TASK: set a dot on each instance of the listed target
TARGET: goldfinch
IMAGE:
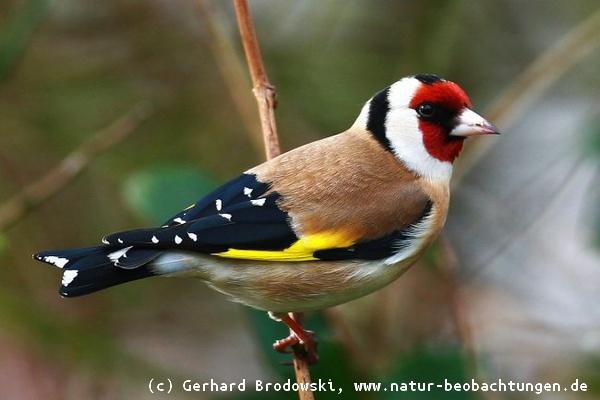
(318, 226)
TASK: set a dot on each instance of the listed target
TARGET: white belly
(285, 286)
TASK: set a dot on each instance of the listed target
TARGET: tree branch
(263, 90)
(266, 97)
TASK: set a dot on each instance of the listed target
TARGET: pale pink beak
(469, 123)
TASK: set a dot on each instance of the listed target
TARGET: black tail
(90, 269)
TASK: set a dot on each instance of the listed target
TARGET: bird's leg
(301, 341)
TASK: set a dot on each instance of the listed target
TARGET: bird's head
(423, 120)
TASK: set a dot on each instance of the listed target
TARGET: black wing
(241, 214)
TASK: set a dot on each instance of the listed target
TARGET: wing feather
(243, 220)
(238, 215)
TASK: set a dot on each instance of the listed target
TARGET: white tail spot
(68, 276)
(60, 262)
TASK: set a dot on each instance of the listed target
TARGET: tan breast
(350, 183)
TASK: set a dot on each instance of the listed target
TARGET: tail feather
(90, 269)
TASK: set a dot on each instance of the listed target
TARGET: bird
(321, 225)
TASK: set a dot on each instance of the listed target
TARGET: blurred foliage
(16, 31)
(70, 67)
(591, 148)
(158, 193)
(592, 375)
(437, 365)
(334, 363)
(3, 244)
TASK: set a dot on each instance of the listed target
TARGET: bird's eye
(426, 110)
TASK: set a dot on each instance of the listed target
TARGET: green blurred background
(510, 291)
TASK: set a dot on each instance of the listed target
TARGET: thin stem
(266, 98)
(302, 366)
(263, 90)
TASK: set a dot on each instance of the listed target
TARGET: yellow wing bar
(301, 250)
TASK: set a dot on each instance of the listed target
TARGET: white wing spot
(179, 220)
(226, 216)
(258, 202)
(154, 239)
(177, 239)
(192, 236)
(68, 276)
(115, 255)
(120, 240)
(219, 204)
(60, 262)
(247, 191)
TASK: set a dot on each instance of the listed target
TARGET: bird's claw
(304, 347)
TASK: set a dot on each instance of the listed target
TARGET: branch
(263, 90)
(266, 97)
(56, 179)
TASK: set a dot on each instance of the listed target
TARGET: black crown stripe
(428, 79)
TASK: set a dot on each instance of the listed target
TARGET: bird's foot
(301, 342)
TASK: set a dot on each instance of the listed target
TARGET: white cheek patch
(403, 133)
(406, 139)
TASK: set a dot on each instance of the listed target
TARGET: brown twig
(56, 179)
(263, 90)
(301, 365)
(266, 97)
